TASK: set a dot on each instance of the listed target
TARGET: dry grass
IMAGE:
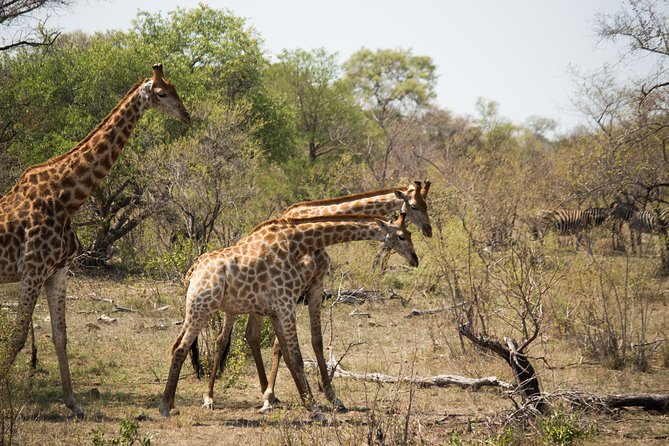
(127, 362)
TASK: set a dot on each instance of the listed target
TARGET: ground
(126, 361)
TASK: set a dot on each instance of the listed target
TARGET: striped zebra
(570, 221)
(640, 222)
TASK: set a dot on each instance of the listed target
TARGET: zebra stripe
(568, 221)
(647, 222)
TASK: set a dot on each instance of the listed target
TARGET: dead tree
(526, 377)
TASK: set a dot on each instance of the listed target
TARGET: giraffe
(411, 200)
(37, 242)
(263, 274)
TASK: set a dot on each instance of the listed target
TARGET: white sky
(515, 52)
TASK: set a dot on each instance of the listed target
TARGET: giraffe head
(162, 96)
(399, 239)
(415, 206)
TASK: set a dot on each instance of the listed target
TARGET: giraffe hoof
(208, 403)
(78, 413)
(266, 407)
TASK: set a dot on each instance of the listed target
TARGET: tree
(22, 28)
(325, 113)
(394, 87)
(53, 98)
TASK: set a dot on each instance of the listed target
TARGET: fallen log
(415, 312)
(647, 401)
(356, 296)
(428, 381)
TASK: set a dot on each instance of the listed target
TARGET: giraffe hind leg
(56, 287)
(222, 349)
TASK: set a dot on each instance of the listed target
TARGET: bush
(128, 436)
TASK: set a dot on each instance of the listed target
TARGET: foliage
(395, 88)
(128, 436)
(7, 402)
(562, 429)
(325, 114)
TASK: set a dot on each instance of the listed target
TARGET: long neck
(381, 203)
(76, 174)
(308, 237)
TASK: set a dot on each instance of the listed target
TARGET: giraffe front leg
(221, 353)
(314, 300)
(56, 289)
(285, 329)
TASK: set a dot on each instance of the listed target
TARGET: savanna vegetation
(268, 133)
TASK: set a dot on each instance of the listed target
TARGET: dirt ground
(119, 370)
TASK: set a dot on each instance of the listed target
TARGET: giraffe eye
(161, 95)
(401, 237)
(414, 207)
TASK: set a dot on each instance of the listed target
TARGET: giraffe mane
(344, 199)
(91, 133)
(318, 219)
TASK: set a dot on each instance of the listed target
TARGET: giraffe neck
(74, 176)
(380, 202)
(312, 236)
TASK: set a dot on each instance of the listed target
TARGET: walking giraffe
(411, 200)
(37, 242)
(263, 274)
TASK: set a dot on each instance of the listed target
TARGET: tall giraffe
(263, 274)
(37, 242)
(411, 200)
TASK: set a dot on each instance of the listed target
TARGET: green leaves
(392, 79)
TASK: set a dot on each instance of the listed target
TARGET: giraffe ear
(401, 195)
(147, 87)
(383, 225)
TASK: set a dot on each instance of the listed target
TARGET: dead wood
(416, 312)
(427, 381)
(647, 401)
(526, 377)
(357, 296)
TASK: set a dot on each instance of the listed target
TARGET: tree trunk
(526, 377)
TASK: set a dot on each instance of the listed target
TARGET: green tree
(54, 96)
(326, 116)
(394, 87)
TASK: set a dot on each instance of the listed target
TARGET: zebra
(640, 222)
(569, 221)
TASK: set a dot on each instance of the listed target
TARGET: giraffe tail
(224, 355)
(195, 359)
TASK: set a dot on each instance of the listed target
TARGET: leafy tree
(212, 54)
(56, 95)
(394, 87)
(326, 116)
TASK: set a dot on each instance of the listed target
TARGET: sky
(518, 53)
